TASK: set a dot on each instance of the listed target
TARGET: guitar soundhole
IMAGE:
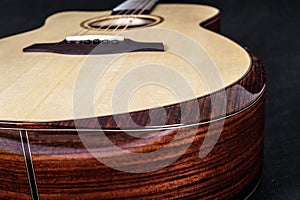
(114, 22)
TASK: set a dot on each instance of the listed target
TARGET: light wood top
(41, 86)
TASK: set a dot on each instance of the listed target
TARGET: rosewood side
(64, 169)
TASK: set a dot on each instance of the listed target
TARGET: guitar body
(49, 147)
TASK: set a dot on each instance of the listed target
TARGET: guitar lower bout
(48, 153)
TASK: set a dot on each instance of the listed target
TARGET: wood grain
(13, 173)
(45, 83)
(239, 95)
(65, 169)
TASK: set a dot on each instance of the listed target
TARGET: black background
(270, 28)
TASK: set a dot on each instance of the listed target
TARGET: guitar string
(110, 25)
(84, 31)
(100, 27)
(141, 4)
(143, 8)
(135, 16)
(121, 12)
(134, 11)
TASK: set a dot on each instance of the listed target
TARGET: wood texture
(13, 173)
(65, 169)
(55, 75)
(240, 95)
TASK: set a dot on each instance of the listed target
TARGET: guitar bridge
(94, 45)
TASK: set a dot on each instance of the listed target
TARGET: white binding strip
(27, 167)
(95, 37)
(151, 128)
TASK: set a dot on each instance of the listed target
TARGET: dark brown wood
(94, 47)
(64, 169)
(13, 173)
(213, 24)
(239, 95)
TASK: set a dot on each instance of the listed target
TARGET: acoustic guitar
(147, 101)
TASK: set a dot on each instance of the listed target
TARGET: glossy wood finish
(49, 96)
(65, 169)
(13, 174)
(239, 95)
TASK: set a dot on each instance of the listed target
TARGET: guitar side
(62, 167)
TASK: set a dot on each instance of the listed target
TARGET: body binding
(62, 167)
